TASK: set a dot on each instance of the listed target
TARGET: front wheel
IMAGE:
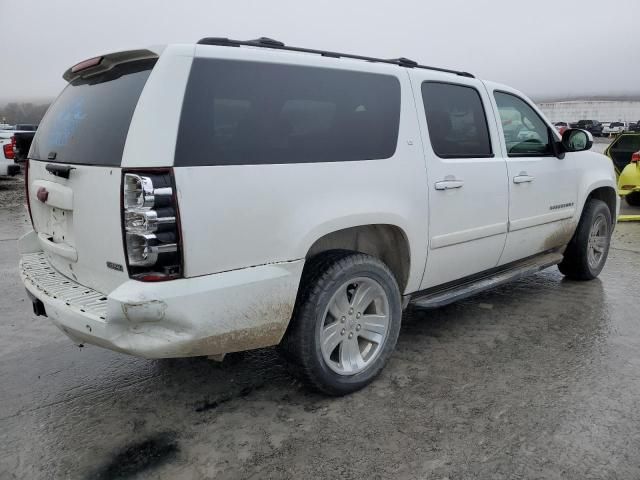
(587, 252)
(346, 321)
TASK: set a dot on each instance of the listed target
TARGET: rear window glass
(89, 121)
(242, 113)
(456, 120)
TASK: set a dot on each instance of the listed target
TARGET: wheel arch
(386, 242)
(609, 196)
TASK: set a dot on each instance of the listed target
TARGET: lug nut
(342, 332)
(351, 335)
(351, 311)
(343, 319)
(358, 327)
(358, 315)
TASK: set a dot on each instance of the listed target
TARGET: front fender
(597, 171)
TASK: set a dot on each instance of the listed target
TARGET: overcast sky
(547, 48)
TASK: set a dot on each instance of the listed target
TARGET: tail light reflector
(635, 158)
(151, 226)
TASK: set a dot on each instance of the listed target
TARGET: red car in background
(561, 126)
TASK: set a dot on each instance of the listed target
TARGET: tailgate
(78, 222)
(74, 173)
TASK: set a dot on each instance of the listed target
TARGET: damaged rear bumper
(208, 315)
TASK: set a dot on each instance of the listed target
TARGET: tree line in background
(22, 112)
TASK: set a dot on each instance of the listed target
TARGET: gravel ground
(537, 379)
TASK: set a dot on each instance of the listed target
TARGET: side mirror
(576, 140)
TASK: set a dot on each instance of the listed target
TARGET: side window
(456, 120)
(525, 133)
(251, 113)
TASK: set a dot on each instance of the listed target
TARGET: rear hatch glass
(89, 121)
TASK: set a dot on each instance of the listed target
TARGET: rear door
(467, 182)
(74, 175)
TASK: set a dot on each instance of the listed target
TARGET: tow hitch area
(38, 306)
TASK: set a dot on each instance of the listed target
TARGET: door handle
(448, 184)
(523, 177)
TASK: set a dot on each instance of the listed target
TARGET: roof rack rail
(275, 44)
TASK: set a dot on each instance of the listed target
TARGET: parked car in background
(412, 185)
(624, 152)
(8, 167)
(5, 138)
(17, 141)
(621, 149)
(22, 139)
(561, 127)
(592, 126)
(614, 128)
(629, 181)
(634, 127)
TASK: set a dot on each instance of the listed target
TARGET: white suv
(225, 196)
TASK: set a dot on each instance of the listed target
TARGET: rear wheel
(345, 323)
(633, 199)
(587, 252)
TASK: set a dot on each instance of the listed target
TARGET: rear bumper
(209, 315)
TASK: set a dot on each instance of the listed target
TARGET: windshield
(89, 121)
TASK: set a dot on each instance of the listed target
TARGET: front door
(542, 188)
(467, 181)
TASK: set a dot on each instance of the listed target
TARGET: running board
(447, 295)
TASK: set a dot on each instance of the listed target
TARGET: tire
(356, 351)
(633, 199)
(585, 256)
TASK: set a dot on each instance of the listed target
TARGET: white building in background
(601, 110)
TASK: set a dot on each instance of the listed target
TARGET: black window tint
(242, 113)
(456, 120)
(89, 121)
(525, 133)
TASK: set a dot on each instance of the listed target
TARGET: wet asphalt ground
(537, 379)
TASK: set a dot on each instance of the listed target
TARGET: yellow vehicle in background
(624, 152)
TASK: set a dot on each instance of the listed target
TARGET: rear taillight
(635, 158)
(151, 225)
(8, 151)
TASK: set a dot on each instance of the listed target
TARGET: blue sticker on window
(66, 123)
